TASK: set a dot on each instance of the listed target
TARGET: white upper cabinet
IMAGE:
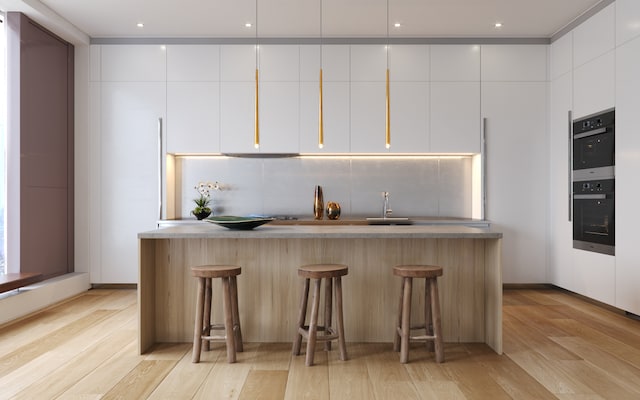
(455, 117)
(594, 37)
(133, 63)
(193, 117)
(455, 99)
(237, 111)
(279, 63)
(279, 117)
(95, 52)
(409, 63)
(409, 106)
(455, 63)
(514, 63)
(368, 98)
(335, 117)
(193, 63)
(193, 99)
(561, 56)
(238, 63)
(368, 63)
(627, 20)
(368, 117)
(594, 85)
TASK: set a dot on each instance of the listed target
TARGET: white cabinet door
(279, 117)
(627, 167)
(561, 268)
(193, 63)
(193, 117)
(368, 63)
(517, 175)
(455, 117)
(368, 117)
(594, 85)
(129, 174)
(595, 36)
(514, 63)
(409, 63)
(279, 63)
(335, 117)
(238, 63)
(455, 63)
(237, 117)
(133, 63)
(409, 106)
(627, 17)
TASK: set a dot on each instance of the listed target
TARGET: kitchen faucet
(386, 211)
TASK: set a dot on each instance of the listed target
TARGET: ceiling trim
(581, 18)
(381, 40)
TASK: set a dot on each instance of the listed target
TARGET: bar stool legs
(432, 319)
(203, 326)
(331, 274)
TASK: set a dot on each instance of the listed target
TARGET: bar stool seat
(432, 318)
(332, 274)
(203, 326)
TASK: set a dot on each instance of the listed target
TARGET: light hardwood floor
(556, 346)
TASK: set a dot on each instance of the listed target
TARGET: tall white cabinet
(514, 106)
(132, 101)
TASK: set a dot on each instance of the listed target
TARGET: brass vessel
(333, 210)
(318, 203)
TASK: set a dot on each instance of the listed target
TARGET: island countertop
(269, 287)
(207, 230)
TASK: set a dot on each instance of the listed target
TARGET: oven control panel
(601, 186)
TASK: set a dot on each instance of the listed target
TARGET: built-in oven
(594, 216)
(594, 146)
(593, 178)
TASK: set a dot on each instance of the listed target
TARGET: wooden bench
(17, 280)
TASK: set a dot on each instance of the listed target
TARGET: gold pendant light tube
(388, 114)
(320, 117)
(256, 134)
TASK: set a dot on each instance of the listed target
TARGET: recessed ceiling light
(140, 25)
(397, 25)
(247, 25)
(498, 25)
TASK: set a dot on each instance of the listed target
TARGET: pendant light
(387, 137)
(320, 116)
(256, 133)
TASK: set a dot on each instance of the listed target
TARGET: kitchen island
(269, 288)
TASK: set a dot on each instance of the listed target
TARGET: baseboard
(114, 286)
(537, 286)
(19, 303)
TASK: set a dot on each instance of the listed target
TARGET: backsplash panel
(418, 187)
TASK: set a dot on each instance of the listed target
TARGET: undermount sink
(389, 221)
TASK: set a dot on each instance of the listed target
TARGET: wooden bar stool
(203, 326)
(332, 273)
(432, 323)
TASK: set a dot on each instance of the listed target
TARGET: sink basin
(389, 221)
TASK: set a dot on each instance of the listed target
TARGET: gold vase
(318, 203)
(333, 210)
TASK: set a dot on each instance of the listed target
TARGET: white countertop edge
(207, 231)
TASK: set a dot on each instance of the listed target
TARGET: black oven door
(594, 142)
(594, 222)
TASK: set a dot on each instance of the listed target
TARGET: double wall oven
(594, 183)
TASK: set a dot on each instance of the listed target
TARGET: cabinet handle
(160, 168)
(483, 157)
(570, 166)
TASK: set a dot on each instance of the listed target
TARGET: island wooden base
(269, 288)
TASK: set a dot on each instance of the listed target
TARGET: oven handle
(570, 167)
(589, 196)
(590, 133)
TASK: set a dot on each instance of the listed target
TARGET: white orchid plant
(202, 202)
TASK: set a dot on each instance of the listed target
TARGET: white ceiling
(301, 18)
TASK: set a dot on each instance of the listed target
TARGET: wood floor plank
(349, 379)
(141, 381)
(28, 352)
(308, 383)
(183, 382)
(389, 378)
(264, 385)
(273, 356)
(225, 381)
